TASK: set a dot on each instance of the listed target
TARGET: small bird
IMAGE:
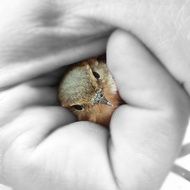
(89, 91)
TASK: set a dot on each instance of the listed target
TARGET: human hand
(163, 26)
(35, 133)
(38, 37)
(44, 34)
(40, 151)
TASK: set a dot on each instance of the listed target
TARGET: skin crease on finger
(45, 153)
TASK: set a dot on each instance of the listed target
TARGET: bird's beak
(101, 99)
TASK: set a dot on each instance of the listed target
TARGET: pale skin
(40, 145)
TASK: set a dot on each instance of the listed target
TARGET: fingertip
(118, 41)
(140, 77)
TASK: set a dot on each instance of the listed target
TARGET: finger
(14, 100)
(18, 72)
(21, 136)
(33, 126)
(152, 123)
(81, 144)
(141, 82)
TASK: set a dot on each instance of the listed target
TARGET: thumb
(146, 133)
(162, 25)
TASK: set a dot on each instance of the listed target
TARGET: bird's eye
(96, 75)
(78, 107)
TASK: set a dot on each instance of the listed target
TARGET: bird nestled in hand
(89, 91)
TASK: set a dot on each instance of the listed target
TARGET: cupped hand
(49, 34)
(40, 36)
(41, 145)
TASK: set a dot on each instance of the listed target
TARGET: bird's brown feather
(79, 85)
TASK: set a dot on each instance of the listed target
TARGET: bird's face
(87, 89)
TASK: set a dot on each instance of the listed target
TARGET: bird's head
(83, 88)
